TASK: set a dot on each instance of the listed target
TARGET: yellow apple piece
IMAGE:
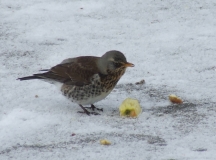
(130, 108)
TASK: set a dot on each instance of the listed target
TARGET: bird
(86, 80)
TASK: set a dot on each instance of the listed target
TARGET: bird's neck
(112, 78)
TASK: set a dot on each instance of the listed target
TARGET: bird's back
(72, 71)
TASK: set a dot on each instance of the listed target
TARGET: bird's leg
(99, 109)
(87, 112)
(84, 110)
(93, 108)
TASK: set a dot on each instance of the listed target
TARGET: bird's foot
(93, 108)
(87, 112)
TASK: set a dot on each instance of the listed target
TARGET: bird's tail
(34, 76)
(49, 76)
(29, 78)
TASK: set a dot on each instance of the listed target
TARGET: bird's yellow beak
(127, 64)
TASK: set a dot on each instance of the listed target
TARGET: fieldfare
(86, 79)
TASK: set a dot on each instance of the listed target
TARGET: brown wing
(74, 71)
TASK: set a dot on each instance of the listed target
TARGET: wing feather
(73, 71)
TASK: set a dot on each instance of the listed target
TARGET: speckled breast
(97, 90)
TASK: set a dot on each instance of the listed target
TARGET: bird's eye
(117, 64)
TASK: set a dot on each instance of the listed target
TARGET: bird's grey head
(113, 60)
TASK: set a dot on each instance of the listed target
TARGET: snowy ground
(173, 46)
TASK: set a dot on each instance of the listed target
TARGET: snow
(172, 44)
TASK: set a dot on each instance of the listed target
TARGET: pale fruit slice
(174, 99)
(105, 142)
(130, 108)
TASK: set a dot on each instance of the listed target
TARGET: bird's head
(113, 61)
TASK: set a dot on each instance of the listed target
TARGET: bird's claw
(93, 108)
(89, 113)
